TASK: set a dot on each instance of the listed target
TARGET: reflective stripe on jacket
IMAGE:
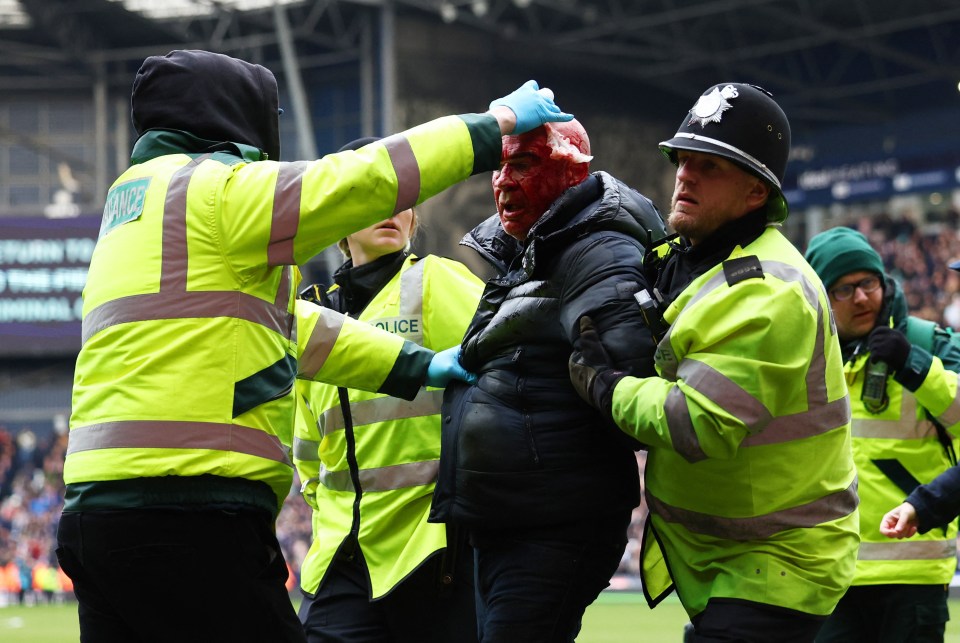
(749, 478)
(395, 443)
(190, 334)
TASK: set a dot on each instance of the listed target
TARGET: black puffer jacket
(520, 449)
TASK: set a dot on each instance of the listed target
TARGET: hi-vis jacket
(191, 338)
(898, 448)
(749, 478)
(369, 471)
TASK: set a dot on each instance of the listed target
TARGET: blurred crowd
(31, 497)
(31, 464)
(918, 256)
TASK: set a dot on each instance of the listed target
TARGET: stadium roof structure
(827, 61)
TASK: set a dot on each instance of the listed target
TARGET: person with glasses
(902, 376)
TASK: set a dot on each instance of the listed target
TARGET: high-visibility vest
(395, 444)
(894, 450)
(191, 334)
(749, 479)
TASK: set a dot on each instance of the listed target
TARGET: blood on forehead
(559, 141)
(536, 168)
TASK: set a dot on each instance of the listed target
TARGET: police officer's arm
(746, 362)
(602, 277)
(339, 350)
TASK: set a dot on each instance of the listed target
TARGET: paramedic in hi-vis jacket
(902, 375)
(183, 398)
(749, 477)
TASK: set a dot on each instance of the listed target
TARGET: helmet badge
(710, 106)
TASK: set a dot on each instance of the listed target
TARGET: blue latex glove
(532, 108)
(445, 366)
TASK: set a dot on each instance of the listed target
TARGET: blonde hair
(344, 247)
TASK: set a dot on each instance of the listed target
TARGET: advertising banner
(43, 268)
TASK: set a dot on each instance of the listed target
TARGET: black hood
(210, 96)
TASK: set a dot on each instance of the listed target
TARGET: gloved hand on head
(532, 107)
(445, 367)
(591, 369)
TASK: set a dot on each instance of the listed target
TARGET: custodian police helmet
(744, 124)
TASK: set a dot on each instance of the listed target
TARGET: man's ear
(758, 194)
(578, 172)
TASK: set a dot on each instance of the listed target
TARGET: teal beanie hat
(840, 251)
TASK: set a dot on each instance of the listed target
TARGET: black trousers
(535, 588)
(419, 609)
(889, 614)
(733, 621)
(170, 575)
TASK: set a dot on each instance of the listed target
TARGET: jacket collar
(739, 232)
(358, 285)
(600, 202)
(674, 263)
(161, 142)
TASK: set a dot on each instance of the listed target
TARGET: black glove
(888, 345)
(591, 370)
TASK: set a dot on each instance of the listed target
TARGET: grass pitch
(616, 617)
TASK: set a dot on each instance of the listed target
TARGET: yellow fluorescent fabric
(189, 335)
(397, 442)
(749, 477)
(336, 348)
(901, 433)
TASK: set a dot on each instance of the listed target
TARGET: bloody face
(531, 177)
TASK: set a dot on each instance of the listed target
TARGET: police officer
(183, 400)
(902, 376)
(749, 476)
(376, 570)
